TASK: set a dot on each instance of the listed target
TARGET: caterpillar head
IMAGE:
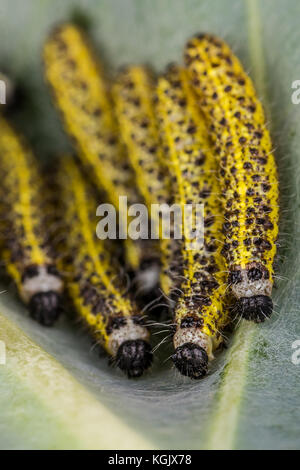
(45, 307)
(252, 287)
(129, 345)
(191, 360)
(193, 350)
(256, 308)
(134, 357)
(41, 290)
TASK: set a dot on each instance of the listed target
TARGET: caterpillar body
(83, 98)
(27, 256)
(248, 172)
(133, 93)
(200, 311)
(134, 96)
(94, 279)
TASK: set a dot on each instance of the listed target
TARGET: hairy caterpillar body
(82, 96)
(248, 172)
(133, 93)
(134, 96)
(26, 254)
(94, 279)
(200, 313)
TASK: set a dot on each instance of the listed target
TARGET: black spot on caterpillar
(134, 95)
(94, 281)
(83, 97)
(200, 313)
(26, 253)
(135, 98)
(250, 192)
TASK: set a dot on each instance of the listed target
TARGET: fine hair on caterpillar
(134, 98)
(94, 284)
(25, 248)
(195, 137)
(82, 95)
(200, 310)
(247, 171)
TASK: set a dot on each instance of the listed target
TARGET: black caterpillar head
(191, 360)
(134, 357)
(45, 307)
(256, 308)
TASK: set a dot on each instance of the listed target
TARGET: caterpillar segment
(82, 96)
(248, 171)
(94, 280)
(25, 251)
(200, 311)
(134, 96)
(171, 274)
(133, 93)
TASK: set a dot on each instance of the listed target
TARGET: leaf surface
(55, 392)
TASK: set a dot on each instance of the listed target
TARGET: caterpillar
(25, 251)
(248, 171)
(134, 96)
(94, 284)
(200, 310)
(133, 93)
(83, 98)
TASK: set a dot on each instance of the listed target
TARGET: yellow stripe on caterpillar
(94, 283)
(248, 171)
(134, 95)
(26, 254)
(200, 311)
(83, 98)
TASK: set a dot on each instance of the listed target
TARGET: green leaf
(55, 392)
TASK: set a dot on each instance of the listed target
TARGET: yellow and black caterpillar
(26, 253)
(248, 172)
(133, 93)
(93, 279)
(134, 99)
(200, 311)
(83, 98)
